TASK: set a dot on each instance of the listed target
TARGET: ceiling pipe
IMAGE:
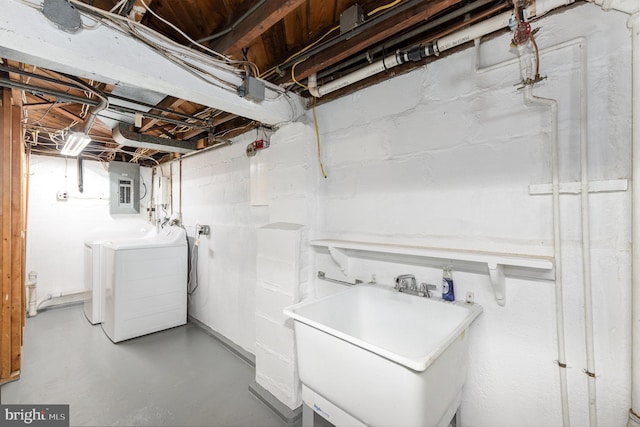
(406, 36)
(371, 23)
(416, 53)
(37, 90)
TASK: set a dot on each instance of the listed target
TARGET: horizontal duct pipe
(124, 136)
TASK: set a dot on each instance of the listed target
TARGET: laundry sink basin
(383, 357)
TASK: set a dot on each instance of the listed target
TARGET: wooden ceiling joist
(255, 25)
(138, 10)
(169, 102)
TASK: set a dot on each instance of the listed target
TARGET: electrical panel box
(124, 182)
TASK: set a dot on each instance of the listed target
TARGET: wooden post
(13, 304)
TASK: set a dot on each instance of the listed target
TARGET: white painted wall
(57, 230)
(444, 157)
(437, 157)
(216, 190)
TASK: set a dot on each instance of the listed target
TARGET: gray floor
(178, 377)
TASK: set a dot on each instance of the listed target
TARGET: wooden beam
(5, 251)
(12, 304)
(169, 102)
(377, 34)
(138, 11)
(17, 270)
(255, 25)
(67, 114)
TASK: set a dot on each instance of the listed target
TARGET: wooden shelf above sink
(496, 265)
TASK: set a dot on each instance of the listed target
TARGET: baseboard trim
(292, 417)
(233, 347)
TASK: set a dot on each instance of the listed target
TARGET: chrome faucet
(407, 283)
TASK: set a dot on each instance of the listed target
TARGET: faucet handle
(426, 288)
(405, 281)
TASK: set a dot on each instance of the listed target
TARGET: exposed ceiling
(280, 41)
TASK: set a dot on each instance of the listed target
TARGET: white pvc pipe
(57, 295)
(481, 29)
(634, 411)
(32, 291)
(552, 104)
(485, 27)
(361, 74)
(586, 240)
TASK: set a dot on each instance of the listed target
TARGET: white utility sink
(384, 357)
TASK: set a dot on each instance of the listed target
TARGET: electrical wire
(182, 33)
(233, 26)
(272, 70)
(315, 121)
(175, 52)
(293, 74)
(192, 281)
(119, 6)
(384, 7)
(226, 58)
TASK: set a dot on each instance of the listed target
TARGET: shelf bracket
(341, 259)
(496, 275)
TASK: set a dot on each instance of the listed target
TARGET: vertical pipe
(530, 99)
(634, 411)
(80, 174)
(586, 239)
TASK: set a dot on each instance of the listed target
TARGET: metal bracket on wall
(322, 276)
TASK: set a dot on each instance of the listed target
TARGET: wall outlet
(203, 230)
(62, 195)
(469, 298)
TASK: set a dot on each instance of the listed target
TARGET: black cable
(145, 191)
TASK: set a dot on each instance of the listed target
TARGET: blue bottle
(447, 285)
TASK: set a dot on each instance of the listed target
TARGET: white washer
(145, 284)
(93, 263)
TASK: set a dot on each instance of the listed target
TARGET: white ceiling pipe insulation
(107, 55)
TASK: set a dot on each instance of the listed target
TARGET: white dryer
(93, 264)
(145, 284)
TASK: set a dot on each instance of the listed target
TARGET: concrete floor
(178, 377)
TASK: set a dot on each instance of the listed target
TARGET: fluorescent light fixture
(75, 142)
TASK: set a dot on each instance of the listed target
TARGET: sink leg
(307, 416)
(454, 420)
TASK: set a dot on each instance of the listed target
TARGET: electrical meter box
(124, 182)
